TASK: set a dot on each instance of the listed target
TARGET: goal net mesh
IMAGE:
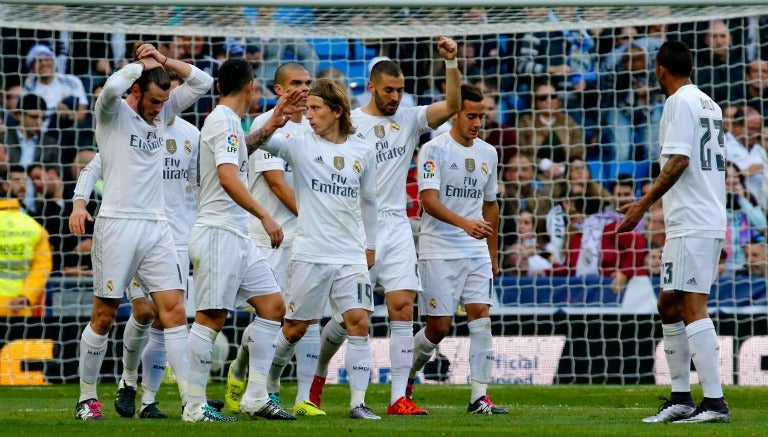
(573, 111)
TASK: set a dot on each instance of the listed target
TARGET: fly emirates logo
(337, 187)
(152, 141)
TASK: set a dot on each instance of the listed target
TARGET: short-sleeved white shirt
(330, 180)
(465, 178)
(394, 138)
(261, 161)
(222, 141)
(182, 140)
(692, 125)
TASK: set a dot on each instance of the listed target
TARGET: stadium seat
(637, 169)
(330, 48)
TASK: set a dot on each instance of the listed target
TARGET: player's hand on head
(149, 56)
(447, 48)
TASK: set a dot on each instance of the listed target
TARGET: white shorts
(278, 260)
(448, 282)
(396, 267)
(136, 291)
(311, 284)
(228, 269)
(124, 249)
(690, 264)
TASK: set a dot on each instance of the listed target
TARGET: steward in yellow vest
(25, 262)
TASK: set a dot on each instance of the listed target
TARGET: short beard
(381, 105)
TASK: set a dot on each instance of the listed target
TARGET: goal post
(549, 328)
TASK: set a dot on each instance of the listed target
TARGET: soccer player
(334, 173)
(132, 238)
(139, 341)
(271, 180)
(692, 188)
(395, 132)
(458, 242)
(229, 270)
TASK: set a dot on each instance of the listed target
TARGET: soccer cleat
(275, 397)
(269, 410)
(216, 404)
(703, 414)
(405, 407)
(316, 390)
(125, 402)
(233, 393)
(204, 413)
(307, 408)
(363, 412)
(150, 411)
(89, 409)
(484, 405)
(409, 388)
(670, 412)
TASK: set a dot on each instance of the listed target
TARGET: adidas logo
(454, 166)
(319, 159)
(692, 281)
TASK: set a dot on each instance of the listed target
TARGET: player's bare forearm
(237, 190)
(286, 196)
(440, 112)
(491, 215)
(258, 138)
(670, 174)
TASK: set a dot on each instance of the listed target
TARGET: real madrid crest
(378, 130)
(338, 162)
(433, 303)
(187, 146)
(393, 126)
(170, 145)
(484, 168)
(469, 164)
(109, 285)
(292, 306)
(357, 167)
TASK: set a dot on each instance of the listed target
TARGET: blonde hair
(335, 98)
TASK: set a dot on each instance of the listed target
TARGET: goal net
(573, 109)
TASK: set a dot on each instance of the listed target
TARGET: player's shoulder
(482, 147)
(261, 120)
(185, 126)
(358, 141)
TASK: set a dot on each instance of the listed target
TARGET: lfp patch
(232, 140)
(429, 166)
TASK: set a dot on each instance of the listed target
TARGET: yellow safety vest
(19, 234)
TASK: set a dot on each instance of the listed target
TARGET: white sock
(331, 339)
(480, 356)
(307, 353)
(422, 352)
(358, 363)
(176, 344)
(283, 354)
(702, 339)
(261, 347)
(135, 338)
(401, 357)
(199, 357)
(239, 367)
(93, 347)
(678, 356)
(153, 362)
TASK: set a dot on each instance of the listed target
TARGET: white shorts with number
(690, 264)
(228, 269)
(311, 284)
(396, 267)
(124, 249)
(278, 259)
(136, 291)
(450, 282)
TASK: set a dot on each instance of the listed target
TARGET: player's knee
(102, 320)
(143, 311)
(357, 322)
(294, 330)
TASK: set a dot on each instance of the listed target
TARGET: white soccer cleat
(670, 412)
(705, 415)
(204, 413)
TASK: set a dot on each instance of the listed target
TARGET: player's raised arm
(439, 112)
(285, 108)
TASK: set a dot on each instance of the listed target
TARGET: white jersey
(465, 178)
(222, 141)
(131, 148)
(61, 87)
(261, 161)
(395, 138)
(692, 125)
(179, 169)
(334, 182)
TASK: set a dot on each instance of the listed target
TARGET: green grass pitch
(535, 411)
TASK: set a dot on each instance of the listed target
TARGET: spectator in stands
(612, 38)
(500, 135)
(529, 254)
(49, 205)
(86, 129)
(548, 135)
(11, 94)
(337, 76)
(653, 225)
(622, 191)
(756, 253)
(649, 38)
(76, 250)
(28, 142)
(580, 183)
(24, 270)
(594, 248)
(745, 218)
(64, 94)
(719, 64)
(653, 260)
(754, 89)
(632, 103)
(744, 149)
(532, 54)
